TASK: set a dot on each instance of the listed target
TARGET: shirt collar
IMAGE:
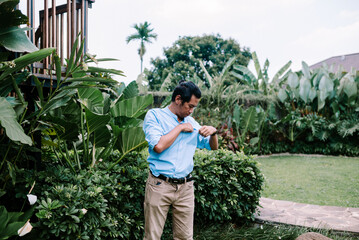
(167, 110)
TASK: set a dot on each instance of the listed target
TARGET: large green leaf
(350, 89)
(246, 120)
(305, 70)
(281, 72)
(228, 65)
(14, 39)
(8, 121)
(312, 94)
(237, 112)
(249, 122)
(8, 86)
(133, 107)
(4, 218)
(96, 121)
(282, 95)
(92, 98)
(131, 139)
(293, 80)
(325, 87)
(104, 70)
(248, 76)
(25, 60)
(304, 89)
(11, 229)
(257, 65)
(130, 91)
(101, 137)
(59, 100)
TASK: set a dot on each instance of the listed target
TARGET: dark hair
(186, 90)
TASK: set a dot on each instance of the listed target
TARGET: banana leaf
(228, 65)
(281, 72)
(248, 76)
(257, 65)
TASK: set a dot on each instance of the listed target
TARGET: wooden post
(57, 34)
(45, 30)
(28, 15)
(82, 24)
(53, 13)
(68, 28)
(62, 39)
(73, 23)
(32, 21)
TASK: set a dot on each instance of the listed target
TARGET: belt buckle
(176, 181)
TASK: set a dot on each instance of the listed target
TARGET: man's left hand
(206, 131)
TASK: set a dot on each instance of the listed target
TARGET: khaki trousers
(159, 196)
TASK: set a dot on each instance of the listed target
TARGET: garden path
(329, 217)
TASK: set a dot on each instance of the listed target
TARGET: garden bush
(228, 186)
(113, 200)
(227, 189)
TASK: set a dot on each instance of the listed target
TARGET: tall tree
(182, 59)
(145, 35)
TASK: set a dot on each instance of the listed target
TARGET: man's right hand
(186, 127)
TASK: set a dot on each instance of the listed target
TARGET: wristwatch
(214, 133)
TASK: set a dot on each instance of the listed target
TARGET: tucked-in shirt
(177, 160)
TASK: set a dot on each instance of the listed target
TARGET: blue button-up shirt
(177, 160)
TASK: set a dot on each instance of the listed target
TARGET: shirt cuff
(154, 142)
(206, 145)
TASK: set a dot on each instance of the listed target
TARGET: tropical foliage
(182, 60)
(12, 37)
(78, 121)
(296, 109)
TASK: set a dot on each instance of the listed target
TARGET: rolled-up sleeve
(152, 129)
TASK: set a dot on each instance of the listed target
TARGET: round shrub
(228, 186)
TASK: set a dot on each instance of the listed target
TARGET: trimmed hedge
(227, 189)
(228, 186)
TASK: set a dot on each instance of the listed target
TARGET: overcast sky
(280, 30)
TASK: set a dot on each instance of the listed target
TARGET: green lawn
(322, 180)
(261, 232)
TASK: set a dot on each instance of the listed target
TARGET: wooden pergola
(58, 27)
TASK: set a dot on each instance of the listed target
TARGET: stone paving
(329, 217)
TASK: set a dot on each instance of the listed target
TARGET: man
(173, 136)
